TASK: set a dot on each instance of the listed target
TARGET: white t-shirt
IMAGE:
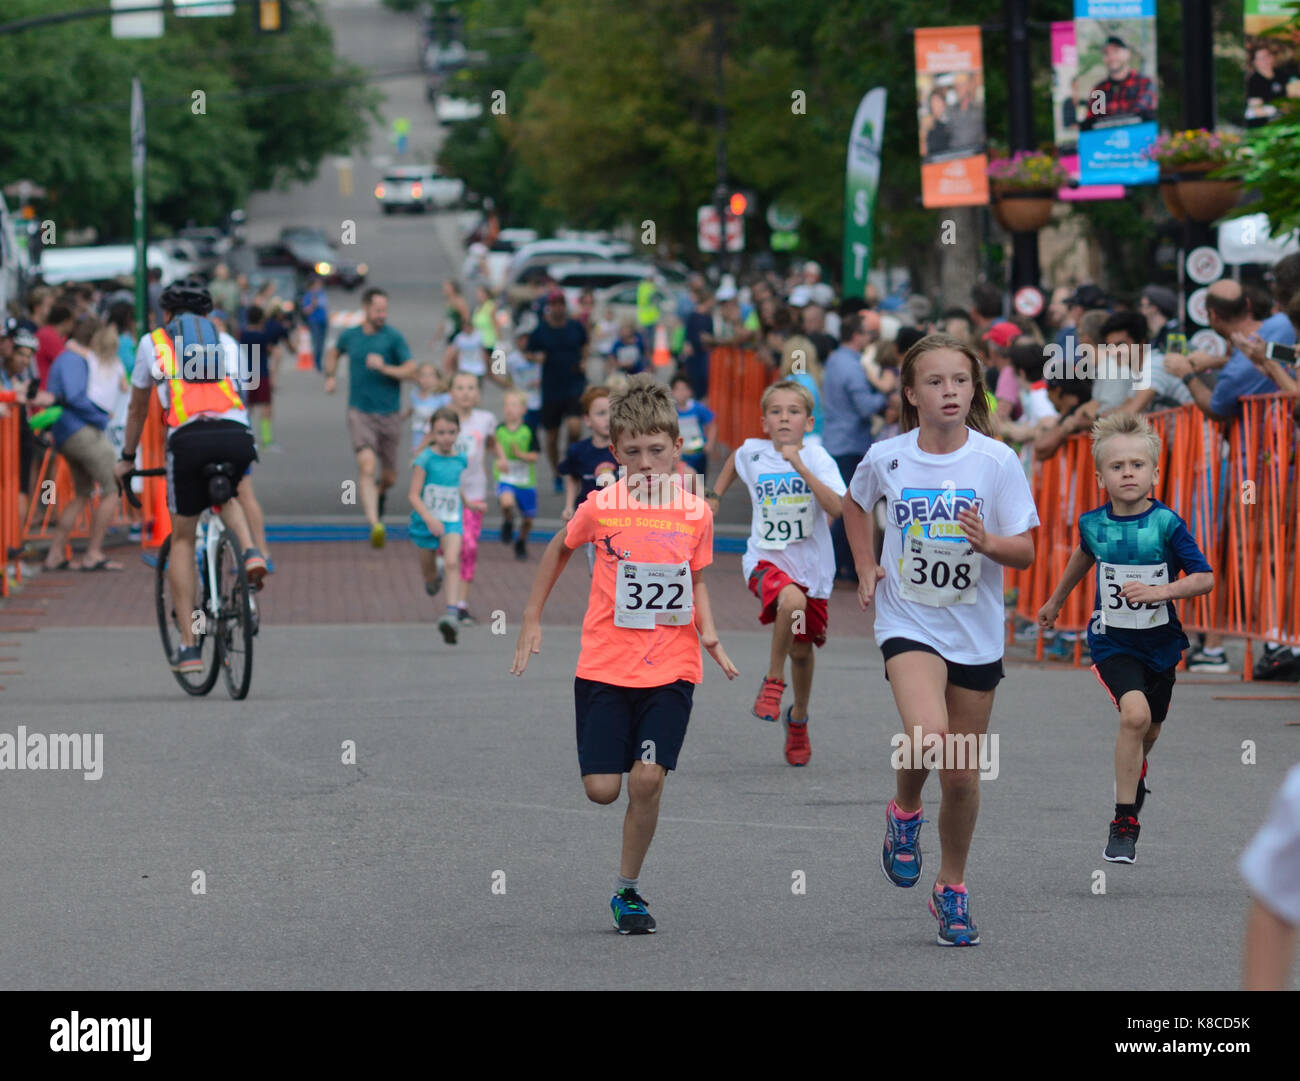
(784, 508)
(471, 442)
(1271, 863)
(527, 376)
(470, 356)
(104, 383)
(144, 375)
(923, 494)
(422, 411)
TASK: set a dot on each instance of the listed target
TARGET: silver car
(418, 188)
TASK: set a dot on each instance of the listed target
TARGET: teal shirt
(369, 391)
(442, 473)
(806, 380)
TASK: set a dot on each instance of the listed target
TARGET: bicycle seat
(220, 477)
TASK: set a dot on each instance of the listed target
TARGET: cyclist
(207, 424)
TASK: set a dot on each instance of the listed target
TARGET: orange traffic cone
(305, 359)
(160, 519)
(661, 358)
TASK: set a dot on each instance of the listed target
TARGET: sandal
(104, 564)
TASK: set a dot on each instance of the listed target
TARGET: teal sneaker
(952, 909)
(631, 916)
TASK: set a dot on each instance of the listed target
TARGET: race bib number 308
(1117, 610)
(647, 594)
(938, 573)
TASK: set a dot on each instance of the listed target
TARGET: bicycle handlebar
(124, 483)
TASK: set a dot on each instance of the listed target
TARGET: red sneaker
(797, 747)
(767, 706)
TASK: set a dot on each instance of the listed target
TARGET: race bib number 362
(938, 573)
(1117, 610)
(647, 594)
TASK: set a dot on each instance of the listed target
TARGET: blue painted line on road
(324, 533)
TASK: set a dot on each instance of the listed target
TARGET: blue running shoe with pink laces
(952, 909)
(900, 858)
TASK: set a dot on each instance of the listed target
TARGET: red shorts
(766, 584)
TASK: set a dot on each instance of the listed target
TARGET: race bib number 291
(938, 573)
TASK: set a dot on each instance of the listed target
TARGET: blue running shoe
(900, 858)
(631, 916)
(952, 909)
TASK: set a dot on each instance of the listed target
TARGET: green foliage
(71, 86)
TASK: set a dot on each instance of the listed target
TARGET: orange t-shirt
(624, 529)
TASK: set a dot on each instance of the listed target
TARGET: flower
(1027, 170)
(1197, 146)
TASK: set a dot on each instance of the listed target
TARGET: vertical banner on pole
(861, 182)
(1271, 69)
(137, 178)
(1115, 44)
(1068, 102)
(950, 116)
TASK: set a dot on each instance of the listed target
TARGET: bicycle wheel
(235, 624)
(195, 683)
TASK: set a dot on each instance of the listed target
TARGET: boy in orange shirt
(647, 616)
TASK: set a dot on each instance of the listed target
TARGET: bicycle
(225, 620)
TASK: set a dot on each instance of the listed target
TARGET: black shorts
(554, 412)
(195, 445)
(618, 726)
(971, 677)
(1121, 673)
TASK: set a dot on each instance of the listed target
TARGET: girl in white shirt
(958, 510)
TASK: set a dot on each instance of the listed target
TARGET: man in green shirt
(378, 360)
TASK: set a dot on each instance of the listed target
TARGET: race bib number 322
(938, 573)
(647, 594)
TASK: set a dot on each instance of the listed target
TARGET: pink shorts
(471, 524)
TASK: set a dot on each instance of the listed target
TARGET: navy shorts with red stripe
(1121, 673)
(766, 583)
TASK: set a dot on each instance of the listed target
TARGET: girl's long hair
(979, 418)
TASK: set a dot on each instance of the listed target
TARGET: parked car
(417, 187)
(620, 300)
(103, 263)
(573, 278)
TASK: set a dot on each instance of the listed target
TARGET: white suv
(417, 187)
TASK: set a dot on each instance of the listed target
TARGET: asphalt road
(380, 874)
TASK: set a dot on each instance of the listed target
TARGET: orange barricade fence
(737, 379)
(53, 490)
(1234, 486)
(10, 529)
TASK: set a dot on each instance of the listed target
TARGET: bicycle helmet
(186, 295)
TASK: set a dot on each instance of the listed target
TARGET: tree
(221, 118)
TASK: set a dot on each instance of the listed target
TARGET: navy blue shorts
(525, 498)
(618, 726)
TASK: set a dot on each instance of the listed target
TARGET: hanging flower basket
(1024, 188)
(1186, 159)
(1023, 211)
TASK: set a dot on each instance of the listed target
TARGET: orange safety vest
(189, 399)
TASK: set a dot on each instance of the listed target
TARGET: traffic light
(270, 16)
(738, 204)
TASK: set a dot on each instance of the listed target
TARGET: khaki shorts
(90, 458)
(380, 432)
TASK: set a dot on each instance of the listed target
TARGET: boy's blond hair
(643, 407)
(1116, 424)
(514, 394)
(803, 393)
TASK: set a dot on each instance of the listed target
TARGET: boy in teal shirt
(436, 510)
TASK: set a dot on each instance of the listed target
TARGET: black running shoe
(383, 498)
(507, 530)
(1122, 846)
(521, 549)
(465, 619)
(1278, 664)
(631, 916)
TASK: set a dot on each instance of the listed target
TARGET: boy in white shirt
(789, 561)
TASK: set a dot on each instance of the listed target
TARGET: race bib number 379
(938, 573)
(647, 594)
